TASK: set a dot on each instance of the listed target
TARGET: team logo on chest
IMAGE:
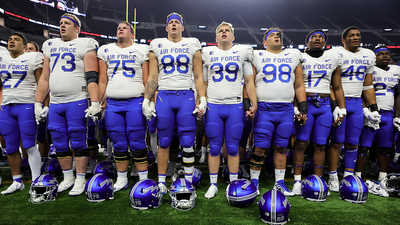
(261, 53)
(212, 52)
(106, 50)
(159, 45)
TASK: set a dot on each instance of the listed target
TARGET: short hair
(22, 36)
(272, 28)
(347, 30)
(174, 13)
(74, 19)
(130, 25)
(316, 30)
(225, 24)
(35, 44)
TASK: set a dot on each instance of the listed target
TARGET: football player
(70, 71)
(225, 66)
(32, 47)
(19, 74)
(279, 81)
(356, 71)
(123, 71)
(385, 80)
(172, 63)
(320, 69)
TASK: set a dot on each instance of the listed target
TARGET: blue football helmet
(106, 167)
(225, 174)
(241, 193)
(391, 183)
(182, 194)
(196, 177)
(274, 207)
(52, 167)
(145, 194)
(43, 189)
(99, 188)
(314, 188)
(353, 189)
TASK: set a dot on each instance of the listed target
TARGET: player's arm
(91, 73)
(199, 82)
(249, 75)
(103, 80)
(300, 91)
(43, 81)
(396, 119)
(369, 97)
(337, 97)
(148, 107)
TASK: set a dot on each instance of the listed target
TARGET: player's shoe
(66, 184)
(281, 186)
(163, 188)
(121, 184)
(374, 187)
(333, 185)
(15, 186)
(256, 183)
(297, 187)
(79, 187)
(203, 154)
(211, 192)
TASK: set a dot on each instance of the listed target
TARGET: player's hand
(372, 116)
(338, 116)
(396, 123)
(201, 109)
(373, 125)
(251, 113)
(148, 111)
(93, 111)
(40, 112)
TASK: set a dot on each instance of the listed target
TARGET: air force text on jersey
(14, 67)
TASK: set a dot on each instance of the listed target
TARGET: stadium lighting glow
(263, 29)
(2, 10)
(387, 29)
(137, 23)
(300, 47)
(143, 41)
(202, 27)
(203, 43)
(325, 30)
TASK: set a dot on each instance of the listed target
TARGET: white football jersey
(67, 70)
(354, 68)
(175, 62)
(275, 74)
(223, 70)
(125, 75)
(18, 77)
(317, 72)
(3, 51)
(385, 84)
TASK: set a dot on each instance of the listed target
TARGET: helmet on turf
(145, 194)
(391, 183)
(43, 189)
(106, 167)
(196, 177)
(274, 207)
(52, 167)
(99, 188)
(314, 188)
(353, 189)
(225, 174)
(182, 194)
(241, 193)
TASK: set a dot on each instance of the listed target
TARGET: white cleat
(163, 188)
(297, 188)
(281, 186)
(121, 184)
(374, 187)
(212, 191)
(66, 184)
(15, 186)
(333, 185)
(79, 187)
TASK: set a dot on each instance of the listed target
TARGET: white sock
(233, 176)
(279, 174)
(396, 155)
(35, 161)
(68, 173)
(333, 175)
(254, 174)
(358, 174)
(297, 177)
(143, 174)
(382, 175)
(122, 174)
(161, 178)
(80, 175)
(213, 178)
(347, 173)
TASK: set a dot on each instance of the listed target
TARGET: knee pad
(163, 122)
(188, 157)
(385, 151)
(140, 156)
(215, 150)
(257, 161)
(63, 154)
(362, 151)
(232, 150)
(165, 142)
(121, 156)
(81, 153)
(186, 138)
(78, 137)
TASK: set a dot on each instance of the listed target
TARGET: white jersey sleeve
(317, 72)
(18, 76)
(354, 68)
(225, 73)
(275, 75)
(385, 84)
(175, 62)
(67, 70)
(124, 69)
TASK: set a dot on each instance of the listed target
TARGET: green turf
(16, 209)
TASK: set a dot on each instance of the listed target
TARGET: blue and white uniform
(224, 71)
(17, 117)
(175, 99)
(275, 93)
(317, 75)
(124, 119)
(68, 91)
(385, 84)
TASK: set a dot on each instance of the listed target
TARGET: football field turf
(16, 209)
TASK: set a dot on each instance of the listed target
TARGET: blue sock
(350, 158)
